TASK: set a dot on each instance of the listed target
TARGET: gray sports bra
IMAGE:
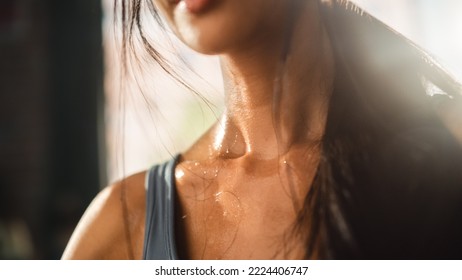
(159, 237)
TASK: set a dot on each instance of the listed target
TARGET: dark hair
(389, 183)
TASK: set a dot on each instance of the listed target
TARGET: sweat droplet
(179, 174)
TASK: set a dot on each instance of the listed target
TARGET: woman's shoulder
(113, 225)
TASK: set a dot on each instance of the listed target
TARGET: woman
(329, 147)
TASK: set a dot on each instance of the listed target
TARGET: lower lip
(197, 6)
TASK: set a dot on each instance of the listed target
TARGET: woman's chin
(219, 26)
(207, 34)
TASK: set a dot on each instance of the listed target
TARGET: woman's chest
(241, 213)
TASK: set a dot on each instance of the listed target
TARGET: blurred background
(66, 130)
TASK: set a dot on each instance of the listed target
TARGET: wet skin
(242, 184)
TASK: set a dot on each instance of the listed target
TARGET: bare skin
(101, 232)
(253, 163)
(250, 163)
(242, 184)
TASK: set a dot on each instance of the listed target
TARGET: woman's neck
(275, 103)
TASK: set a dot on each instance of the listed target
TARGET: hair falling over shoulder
(390, 182)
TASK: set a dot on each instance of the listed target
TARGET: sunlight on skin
(139, 148)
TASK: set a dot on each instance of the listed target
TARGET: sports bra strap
(159, 238)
